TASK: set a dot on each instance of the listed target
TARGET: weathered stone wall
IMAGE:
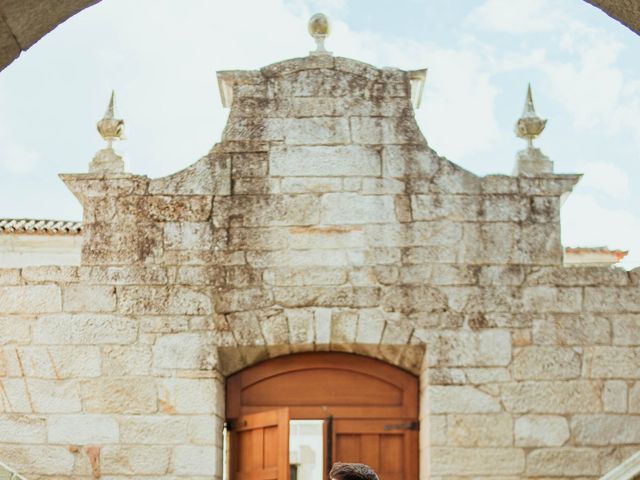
(321, 221)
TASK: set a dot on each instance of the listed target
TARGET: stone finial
(319, 29)
(110, 129)
(529, 126)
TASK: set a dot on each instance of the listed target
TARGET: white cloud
(606, 178)
(516, 16)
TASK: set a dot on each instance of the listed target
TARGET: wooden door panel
(316, 385)
(392, 453)
(259, 446)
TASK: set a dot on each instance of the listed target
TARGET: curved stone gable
(321, 222)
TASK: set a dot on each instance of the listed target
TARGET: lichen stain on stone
(318, 230)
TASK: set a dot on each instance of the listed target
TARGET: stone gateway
(322, 222)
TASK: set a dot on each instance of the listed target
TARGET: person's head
(352, 471)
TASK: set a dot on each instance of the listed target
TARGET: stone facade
(321, 221)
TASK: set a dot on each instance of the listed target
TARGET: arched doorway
(366, 411)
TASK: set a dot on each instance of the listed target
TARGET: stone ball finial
(529, 126)
(110, 129)
(319, 29)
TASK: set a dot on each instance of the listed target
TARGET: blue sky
(161, 57)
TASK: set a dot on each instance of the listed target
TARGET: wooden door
(387, 446)
(259, 446)
(370, 402)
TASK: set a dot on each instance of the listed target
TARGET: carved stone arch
(408, 357)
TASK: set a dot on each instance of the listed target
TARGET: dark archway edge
(24, 22)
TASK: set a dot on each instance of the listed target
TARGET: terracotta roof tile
(39, 227)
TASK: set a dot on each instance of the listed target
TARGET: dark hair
(352, 471)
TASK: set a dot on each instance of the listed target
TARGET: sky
(161, 57)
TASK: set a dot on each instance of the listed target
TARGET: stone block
(452, 462)
(127, 275)
(82, 429)
(343, 327)
(119, 395)
(489, 348)
(461, 399)
(612, 299)
(294, 277)
(420, 234)
(274, 327)
(634, 398)
(246, 328)
(408, 161)
(489, 243)
(191, 396)
(550, 299)
(180, 300)
(571, 329)
(501, 275)
(183, 350)
(211, 175)
(134, 460)
(480, 376)
(541, 431)
(347, 297)
(14, 330)
(322, 326)
(133, 360)
(51, 396)
(385, 130)
(371, 324)
(53, 362)
(577, 276)
(614, 396)
(545, 363)
(626, 329)
(268, 210)
(153, 429)
(353, 209)
(89, 298)
(87, 329)
(30, 299)
(188, 236)
(562, 462)
(439, 274)
(601, 430)
(205, 430)
(238, 300)
(196, 460)
(301, 325)
(316, 131)
(321, 161)
(50, 273)
(445, 207)
(612, 362)
(311, 185)
(413, 298)
(480, 430)
(504, 208)
(28, 429)
(561, 397)
(37, 460)
(10, 276)
(325, 237)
